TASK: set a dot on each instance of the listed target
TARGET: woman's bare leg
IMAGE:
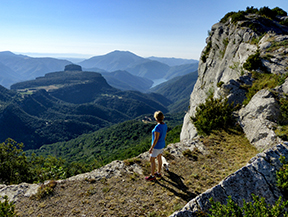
(152, 161)
(159, 162)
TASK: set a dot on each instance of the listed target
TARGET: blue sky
(85, 28)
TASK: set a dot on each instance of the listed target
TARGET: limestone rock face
(227, 53)
(228, 47)
(258, 177)
(259, 119)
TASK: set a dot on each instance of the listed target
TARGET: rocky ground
(119, 189)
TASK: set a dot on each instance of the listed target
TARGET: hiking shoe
(158, 174)
(150, 178)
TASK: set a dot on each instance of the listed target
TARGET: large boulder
(259, 120)
(258, 178)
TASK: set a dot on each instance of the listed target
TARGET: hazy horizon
(80, 56)
(162, 28)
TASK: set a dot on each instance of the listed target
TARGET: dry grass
(131, 195)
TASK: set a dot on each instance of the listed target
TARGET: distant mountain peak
(7, 53)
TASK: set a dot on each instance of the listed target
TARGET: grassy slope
(131, 195)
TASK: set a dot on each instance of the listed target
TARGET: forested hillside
(63, 105)
(120, 141)
(177, 90)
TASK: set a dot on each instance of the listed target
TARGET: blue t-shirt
(162, 129)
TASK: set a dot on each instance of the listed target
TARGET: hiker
(157, 145)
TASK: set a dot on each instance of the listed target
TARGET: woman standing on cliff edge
(157, 145)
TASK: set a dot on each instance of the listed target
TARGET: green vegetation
(45, 190)
(83, 103)
(264, 11)
(282, 129)
(256, 208)
(225, 43)
(282, 176)
(284, 107)
(193, 155)
(173, 136)
(220, 83)
(87, 152)
(212, 115)
(275, 45)
(186, 179)
(177, 90)
(235, 17)
(284, 22)
(280, 12)
(206, 52)
(253, 62)
(7, 209)
(15, 167)
(263, 81)
(118, 142)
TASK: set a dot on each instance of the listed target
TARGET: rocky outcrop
(226, 52)
(114, 169)
(221, 64)
(259, 120)
(15, 191)
(258, 177)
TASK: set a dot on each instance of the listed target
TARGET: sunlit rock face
(221, 64)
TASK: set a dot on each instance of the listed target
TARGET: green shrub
(279, 11)
(235, 17)
(256, 208)
(267, 12)
(251, 10)
(220, 83)
(253, 62)
(284, 22)
(227, 16)
(284, 107)
(14, 166)
(212, 115)
(282, 132)
(45, 190)
(7, 209)
(239, 16)
(282, 176)
(264, 11)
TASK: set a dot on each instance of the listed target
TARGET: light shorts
(156, 152)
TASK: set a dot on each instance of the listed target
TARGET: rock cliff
(229, 45)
